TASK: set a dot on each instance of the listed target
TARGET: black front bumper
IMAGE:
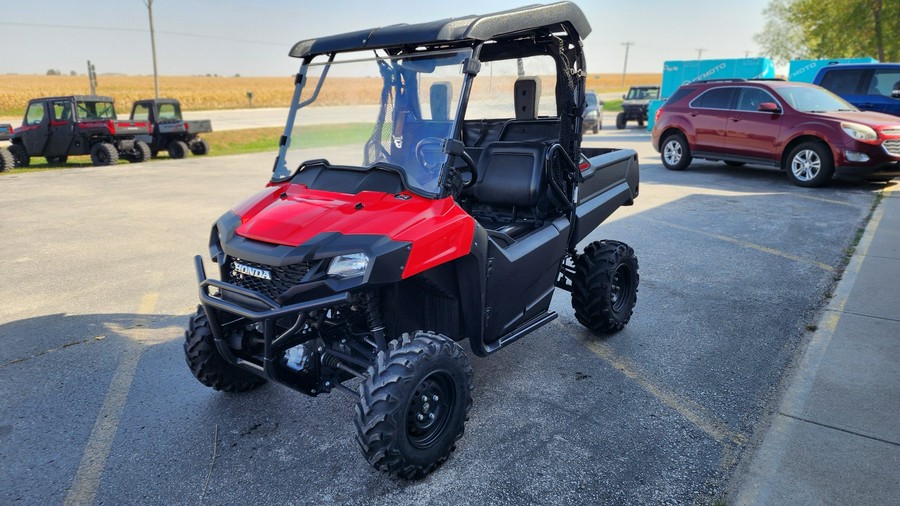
(256, 307)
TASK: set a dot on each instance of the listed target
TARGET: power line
(141, 30)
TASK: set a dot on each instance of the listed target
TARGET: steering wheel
(429, 155)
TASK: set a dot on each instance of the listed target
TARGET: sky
(253, 37)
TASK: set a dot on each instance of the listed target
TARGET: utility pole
(625, 67)
(149, 4)
(92, 77)
(700, 52)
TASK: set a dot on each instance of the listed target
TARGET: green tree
(832, 29)
(781, 40)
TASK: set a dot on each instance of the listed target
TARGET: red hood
(293, 214)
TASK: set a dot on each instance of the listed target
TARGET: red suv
(810, 133)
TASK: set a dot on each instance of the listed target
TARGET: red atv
(447, 206)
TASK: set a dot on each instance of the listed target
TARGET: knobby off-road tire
(20, 155)
(177, 149)
(7, 161)
(605, 286)
(104, 153)
(810, 165)
(413, 406)
(141, 152)
(199, 147)
(621, 122)
(675, 152)
(207, 364)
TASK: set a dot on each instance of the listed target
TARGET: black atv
(635, 105)
(169, 131)
(59, 127)
(7, 161)
(441, 216)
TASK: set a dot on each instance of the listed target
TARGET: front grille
(282, 277)
(891, 131)
(892, 146)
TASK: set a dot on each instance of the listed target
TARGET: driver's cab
(475, 121)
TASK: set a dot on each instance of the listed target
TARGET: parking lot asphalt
(98, 406)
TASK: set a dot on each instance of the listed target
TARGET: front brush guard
(274, 345)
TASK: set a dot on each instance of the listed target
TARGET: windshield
(642, 94)
(94, 110)
(813, 99)
(387, 112)
(591, 99)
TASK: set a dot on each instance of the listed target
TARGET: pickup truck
(168, 130)
(868, 86)
(59, 127)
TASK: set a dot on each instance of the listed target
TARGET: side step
(521, 331)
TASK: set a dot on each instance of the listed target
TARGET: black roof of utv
(469, 28)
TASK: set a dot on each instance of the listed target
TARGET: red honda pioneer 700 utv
(447, 206)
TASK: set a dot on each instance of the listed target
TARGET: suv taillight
(658, 114)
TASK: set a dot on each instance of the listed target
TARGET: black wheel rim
(429, 410)
(102, 156)
(620, 291)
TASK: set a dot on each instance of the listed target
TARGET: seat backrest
(511, 174)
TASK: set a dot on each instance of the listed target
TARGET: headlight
(859, 132)
(348, 266)
(592, 114)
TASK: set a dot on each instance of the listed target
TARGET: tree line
(814, 29)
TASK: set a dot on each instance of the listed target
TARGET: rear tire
(675, 152)
(20, 155)
(141, 152)
(621, 122)
(199, 147)
(177, 149)
(207, 365)
(605, 286)
(104, 153)
(810, 165)
(413, 406)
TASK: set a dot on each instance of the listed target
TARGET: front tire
(177, 149)
(621, 122)
(104, 153)
(199, 147)
(207, 365)
(412, 408)
(20, 155)
(605, 286)
(141, 152)
(810, 165)
(7, 161)
(675, 153)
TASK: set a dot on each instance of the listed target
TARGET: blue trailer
(679, 72)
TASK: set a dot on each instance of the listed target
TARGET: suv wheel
(810, 164)
(20, 155)
(104, 153)
(207, 364)
(621, 121)
(675, 153)
(605, 286)
(412, 408)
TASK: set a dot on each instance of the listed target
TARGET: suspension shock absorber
(376, 325)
